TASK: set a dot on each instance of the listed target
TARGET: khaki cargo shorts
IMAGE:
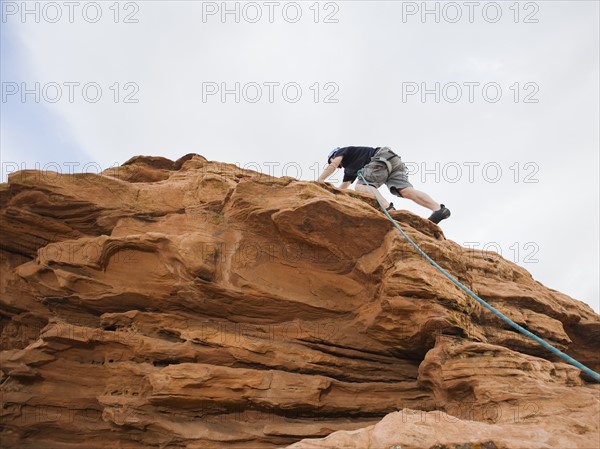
(394, 175)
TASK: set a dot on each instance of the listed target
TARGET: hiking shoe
(440, 214)
(391, 207)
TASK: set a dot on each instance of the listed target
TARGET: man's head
(332, 154)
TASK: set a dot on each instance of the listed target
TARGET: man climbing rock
(380, 166)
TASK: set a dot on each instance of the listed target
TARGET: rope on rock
(594, 375)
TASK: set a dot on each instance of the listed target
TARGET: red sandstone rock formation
(191, 304)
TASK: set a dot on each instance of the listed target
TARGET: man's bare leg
(421, 198)
(367, 189)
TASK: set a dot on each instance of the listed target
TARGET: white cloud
(368, 54)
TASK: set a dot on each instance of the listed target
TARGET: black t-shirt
(354, 158)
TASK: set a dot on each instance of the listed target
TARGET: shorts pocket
(376, 172)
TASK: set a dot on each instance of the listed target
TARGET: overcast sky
(494, 106)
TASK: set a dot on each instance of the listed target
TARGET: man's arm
(335, 163)
(345, 185)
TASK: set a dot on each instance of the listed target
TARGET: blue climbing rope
(507, 320)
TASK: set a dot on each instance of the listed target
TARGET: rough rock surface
(192, 304)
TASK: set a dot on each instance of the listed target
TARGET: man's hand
(335, 163)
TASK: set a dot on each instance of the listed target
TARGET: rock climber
(380, 166)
